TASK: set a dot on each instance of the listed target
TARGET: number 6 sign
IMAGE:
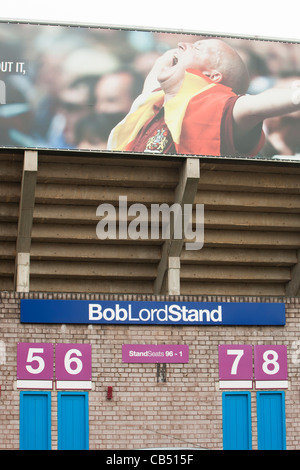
(235, 366)
(73, 366)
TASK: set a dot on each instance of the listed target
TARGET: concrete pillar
(173, 275)
(22, 270)
(185, 193)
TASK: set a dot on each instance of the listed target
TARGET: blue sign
(151, 313)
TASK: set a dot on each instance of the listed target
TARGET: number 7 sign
(235, 366)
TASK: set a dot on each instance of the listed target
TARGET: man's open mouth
(175, 61)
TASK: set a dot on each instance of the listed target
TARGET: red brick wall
(184, 411)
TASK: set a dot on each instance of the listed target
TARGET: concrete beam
(185, 193)
(293, 286)
(235, 273)
(232, 288)
(29, 176)
(126, 286)
(239, 256)
(92, 270)
(101, 252)
(248, 201)
(248, 180)
(129, 175)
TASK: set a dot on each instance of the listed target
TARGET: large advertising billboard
(110, 89)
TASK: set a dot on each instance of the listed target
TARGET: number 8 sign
(270, 366)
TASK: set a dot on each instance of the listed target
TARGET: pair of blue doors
(270, 421)
(35, 420)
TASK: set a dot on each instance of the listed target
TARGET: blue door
(271, 421)
(73, 421)
(237, 421)
(35, 420)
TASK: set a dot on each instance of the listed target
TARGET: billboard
(112, 89)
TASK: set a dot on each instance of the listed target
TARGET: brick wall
(184, 411)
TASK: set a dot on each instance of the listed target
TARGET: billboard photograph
(106, 89)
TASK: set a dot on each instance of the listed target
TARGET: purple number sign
(35, 361)
(270, 363)
(73, 362)
(235, 366)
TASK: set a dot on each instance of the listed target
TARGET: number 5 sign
(73, 366)
(35, 365)
(235, 366)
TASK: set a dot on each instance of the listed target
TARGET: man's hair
(228, 62)
(236, 76)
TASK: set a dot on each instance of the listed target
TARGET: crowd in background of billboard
(68, 87)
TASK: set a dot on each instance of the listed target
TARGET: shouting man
(194, 102)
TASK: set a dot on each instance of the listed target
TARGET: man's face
(199, 55)
(203, 55)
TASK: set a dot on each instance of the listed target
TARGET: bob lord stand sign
(151, 312)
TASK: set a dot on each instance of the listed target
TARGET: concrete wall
(48, 221)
